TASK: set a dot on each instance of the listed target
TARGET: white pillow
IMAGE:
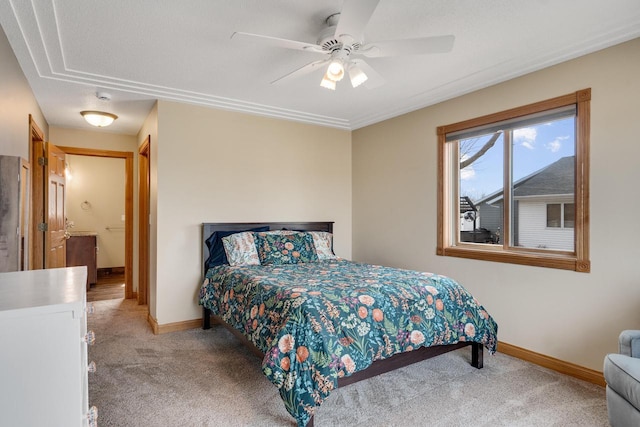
(241, 249)
(323, 242)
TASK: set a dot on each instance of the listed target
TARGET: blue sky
(534, 147)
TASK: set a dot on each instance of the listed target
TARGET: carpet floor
(207, 378)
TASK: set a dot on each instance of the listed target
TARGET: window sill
(537, 259)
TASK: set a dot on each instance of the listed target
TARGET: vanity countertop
(82, 233)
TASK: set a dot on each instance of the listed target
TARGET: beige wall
(217, 165)
(572, 316)
(95, 202)
(150, 128)
(16, 103)
(95, 140)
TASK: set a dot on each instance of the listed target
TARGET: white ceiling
(143, 50)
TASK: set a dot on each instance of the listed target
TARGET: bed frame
(378, 367)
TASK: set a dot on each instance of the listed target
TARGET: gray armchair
(622, 374)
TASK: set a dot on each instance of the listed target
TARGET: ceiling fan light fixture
(335, 71)
(98, 118)
(357, 76)
(327, 82)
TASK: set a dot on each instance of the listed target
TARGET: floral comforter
(317, 322)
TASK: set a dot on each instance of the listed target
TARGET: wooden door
(55, 231)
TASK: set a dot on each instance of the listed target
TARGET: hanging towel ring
(85, 206)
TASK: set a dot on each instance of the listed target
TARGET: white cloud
(525, 137)
(555, 145)
(468, 172)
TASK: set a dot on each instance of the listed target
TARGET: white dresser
(43, 349)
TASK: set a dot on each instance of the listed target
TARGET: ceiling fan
(343, 47)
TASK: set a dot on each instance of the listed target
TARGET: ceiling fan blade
(305, 69)
(278, 42)
(437, 44)
(374, 79)
(354, 17)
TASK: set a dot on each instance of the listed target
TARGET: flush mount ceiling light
(98, 118)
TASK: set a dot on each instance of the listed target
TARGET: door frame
(144, 158)
(128, 205)
(36, 150)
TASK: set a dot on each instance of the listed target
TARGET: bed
(326, 323)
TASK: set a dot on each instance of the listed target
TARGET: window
(514, 185)
(554, 215)
(569, 215)
(560, 215)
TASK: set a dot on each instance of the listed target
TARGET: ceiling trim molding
(41, 41)
(47, 55)
(481, 79)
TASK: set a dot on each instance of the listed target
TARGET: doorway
(37, 245)
(128, 206)
(94, 213)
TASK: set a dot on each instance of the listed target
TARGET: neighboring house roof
(556, 178)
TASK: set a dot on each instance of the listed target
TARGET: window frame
(578, 260)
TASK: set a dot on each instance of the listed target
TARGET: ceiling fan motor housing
(330, 43)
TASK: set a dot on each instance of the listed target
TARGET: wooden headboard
(209, 227)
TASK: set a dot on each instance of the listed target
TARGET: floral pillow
(285, 248)
(217, 255)
(241, 249)
(323, 242)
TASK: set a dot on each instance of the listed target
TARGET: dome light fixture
(98, 118)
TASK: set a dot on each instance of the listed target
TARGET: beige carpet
(206, 378)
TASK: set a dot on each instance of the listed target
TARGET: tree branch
(490, 143)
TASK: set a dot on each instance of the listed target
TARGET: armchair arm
(629, 343)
